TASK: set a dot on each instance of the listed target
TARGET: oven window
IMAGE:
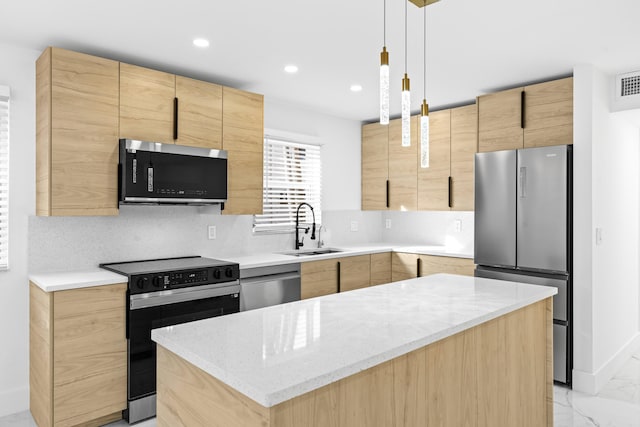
(142, 351)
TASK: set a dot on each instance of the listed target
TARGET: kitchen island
(438, 350)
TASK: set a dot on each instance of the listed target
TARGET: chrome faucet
(299, 242)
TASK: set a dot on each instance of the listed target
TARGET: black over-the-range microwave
(156, 173)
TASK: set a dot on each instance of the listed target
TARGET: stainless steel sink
(312, 252)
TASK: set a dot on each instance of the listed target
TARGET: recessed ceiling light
(356, 88)
(291, 69)
(201, 42)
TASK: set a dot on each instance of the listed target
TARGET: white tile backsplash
(145, 232)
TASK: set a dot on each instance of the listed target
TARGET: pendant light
(384, 72)
(424, 109)
(406, 96)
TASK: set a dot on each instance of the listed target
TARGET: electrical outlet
(387, 223)
(458, 225)
(354, 225)
(211, 232)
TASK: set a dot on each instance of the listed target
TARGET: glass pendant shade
(384, 86)
(406, 112)
(424, 135)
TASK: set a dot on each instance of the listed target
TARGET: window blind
(4, 177)
(292, 175)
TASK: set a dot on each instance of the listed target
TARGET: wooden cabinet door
(243, 139)
(403, 167)
(375, 166)
(89, 354)
(403, 266)
(499, 121)
(77, 134)
(380, 268)
(318, 278)
(433, 182)
(464, 145)
(432, 264)
(199, 113)
(354, 272)
(146, 104)
(549, 113)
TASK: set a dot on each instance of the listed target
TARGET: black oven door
(170, 308)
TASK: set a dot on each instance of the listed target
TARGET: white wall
(17, 72)
(607, 197)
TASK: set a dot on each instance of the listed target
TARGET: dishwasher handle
(269, 278)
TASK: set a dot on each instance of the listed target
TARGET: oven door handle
(154, 299)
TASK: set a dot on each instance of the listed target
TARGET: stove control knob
(228, 272)
(141, 282)
(157, 281)
(216, 274)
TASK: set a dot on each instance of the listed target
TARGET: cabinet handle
(175, 118)
(419, 267)
(450, 192)
(338, 276)
(522, 109)
(387, 193)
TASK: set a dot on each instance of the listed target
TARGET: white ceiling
(473, 46)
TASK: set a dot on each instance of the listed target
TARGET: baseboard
(592, 383)
(13, 401)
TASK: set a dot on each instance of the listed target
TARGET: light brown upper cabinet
(447, 184)
(464, 145)
(375, 166)
(389, 170)
(403, 167)
(433, 182)
(549, 113)
(199, 113)
(243, 139)
(146, 104)
(76, 134)
(531, 116)
(162, 107)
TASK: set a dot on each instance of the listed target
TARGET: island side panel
(189, 397)
(497, 373)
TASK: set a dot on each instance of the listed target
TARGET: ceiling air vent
(628, 84)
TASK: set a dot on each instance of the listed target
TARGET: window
(291, 176)
(4, 177)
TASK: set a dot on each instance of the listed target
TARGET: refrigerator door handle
(523, 182)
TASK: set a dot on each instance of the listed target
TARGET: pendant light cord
(424, 66)
(384, 23)
(405, 35)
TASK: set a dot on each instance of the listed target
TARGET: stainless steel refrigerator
(523, 229)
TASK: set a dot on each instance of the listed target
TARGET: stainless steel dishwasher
(265, 286)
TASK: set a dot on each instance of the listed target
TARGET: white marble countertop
(267, 259)
(58, 281)
(61, 281)
(276, 353)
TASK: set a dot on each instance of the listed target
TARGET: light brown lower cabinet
(344, 274)
(487, 376)
(409, 266)
(431, 264)
(78, 355)
(380, 268)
